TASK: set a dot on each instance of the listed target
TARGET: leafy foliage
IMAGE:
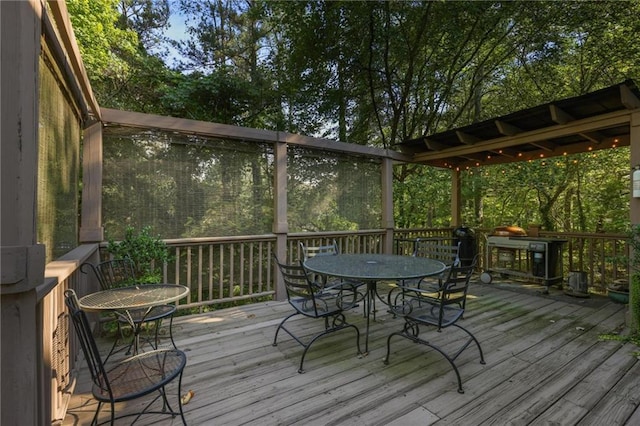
(378, 73)
(148, 253)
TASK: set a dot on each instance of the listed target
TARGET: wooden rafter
(467, 139)
(507, 129)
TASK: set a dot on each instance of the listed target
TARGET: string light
(532, 158)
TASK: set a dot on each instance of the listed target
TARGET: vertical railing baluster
(177, 267)
(261, 260)
(251, 268)
(242, 268)
(210, 274)
(199, 273)
(221, 273)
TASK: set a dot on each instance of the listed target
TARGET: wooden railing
(603, 256)
(228, 270)
(60, 348)
(222, 269)
(371, 241)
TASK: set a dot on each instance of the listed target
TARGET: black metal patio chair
(315, 300)
(442, 310)
(130, 378)
(119, 273)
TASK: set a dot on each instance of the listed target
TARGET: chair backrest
(87, 342)
(299, 287)
(425, 308)
(113, 273)
(438, 249)
(326, 250)
(455, 286)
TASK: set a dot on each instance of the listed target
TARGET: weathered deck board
(544, 365)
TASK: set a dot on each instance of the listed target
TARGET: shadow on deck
(545, 365)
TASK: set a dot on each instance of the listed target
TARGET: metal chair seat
(433, 315)
(140, 375)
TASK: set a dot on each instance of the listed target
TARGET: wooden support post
(387, 204)
(280, 222)
(634, 205)
(456, 195)
(23, 260)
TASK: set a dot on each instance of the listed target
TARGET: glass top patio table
(133, 297)
(373, 268)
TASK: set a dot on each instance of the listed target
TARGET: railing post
(387, 205)
(280, 223)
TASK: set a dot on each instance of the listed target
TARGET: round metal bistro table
(373, 268)
(124, 299)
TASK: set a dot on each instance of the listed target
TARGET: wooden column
(634, 205)
(456, 195)
(91, 230)
(388, 223)
(280, 222)
(23, 260)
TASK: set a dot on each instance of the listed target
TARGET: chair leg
(156, 338)
(94, 421)
(155, 343)
(184, 422)
(319, 335)
(471, 338)
(281, 326)
(411, 333)
(338, 323)
(170, 333)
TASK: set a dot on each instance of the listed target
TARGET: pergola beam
(217, 130)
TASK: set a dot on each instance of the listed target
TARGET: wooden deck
(544, 366)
